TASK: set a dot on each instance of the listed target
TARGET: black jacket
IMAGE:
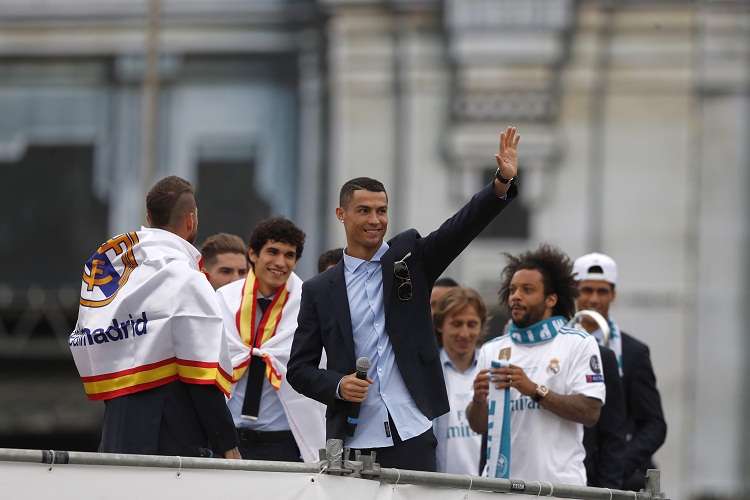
(605, 442)
(645, 428)
(324, 321)
(173, 419)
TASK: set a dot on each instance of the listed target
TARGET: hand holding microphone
(357, 385)
(354, 387)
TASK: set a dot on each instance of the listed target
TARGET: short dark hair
(556, 269)
(220, 243)
(277, 229)
(163, 203)
(330, 258)
(366, 183)
(446, 282)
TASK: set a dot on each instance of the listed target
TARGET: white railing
(75, 475)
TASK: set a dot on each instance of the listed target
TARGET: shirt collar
(614, 331)
(446, 360)
(353, 263)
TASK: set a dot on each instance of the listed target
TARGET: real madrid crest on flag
(107, 270)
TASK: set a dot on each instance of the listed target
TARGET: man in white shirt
(260, 314)
(459, 315)
(555, 372)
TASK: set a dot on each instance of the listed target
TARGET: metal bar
(518, 487)
(694, 209)
(167, 462)
(653, 483)
(401, 116)
(597, 153)
(744, 295)
(385, 475)
(150, 97)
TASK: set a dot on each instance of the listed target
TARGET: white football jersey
(546, 447)
(459, 447)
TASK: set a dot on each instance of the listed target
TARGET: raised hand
(507, 157)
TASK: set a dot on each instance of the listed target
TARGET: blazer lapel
(341, 307)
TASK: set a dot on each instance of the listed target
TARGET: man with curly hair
(260, 313)
(555, 376)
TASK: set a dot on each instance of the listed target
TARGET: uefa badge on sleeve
(594, 364)
(596, 367)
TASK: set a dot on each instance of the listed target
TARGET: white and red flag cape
(147, 317)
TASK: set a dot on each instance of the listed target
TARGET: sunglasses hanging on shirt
(403, 279)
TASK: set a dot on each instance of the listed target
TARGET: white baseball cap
(595, 266)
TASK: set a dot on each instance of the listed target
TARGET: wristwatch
(540, 392)
(500, 178)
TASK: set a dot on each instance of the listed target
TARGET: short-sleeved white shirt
(459, 447)
(544, 446)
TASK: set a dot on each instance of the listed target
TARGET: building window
(52, 219)
(233, 203)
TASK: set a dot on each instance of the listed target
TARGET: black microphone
(352, 419)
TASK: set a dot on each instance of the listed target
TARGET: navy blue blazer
(605, 441)
(324, 321)
(645, 427)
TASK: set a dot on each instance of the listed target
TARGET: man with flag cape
(150, 341)
(274, 422)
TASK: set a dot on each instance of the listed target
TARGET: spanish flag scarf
(254, 336)
(306, 416)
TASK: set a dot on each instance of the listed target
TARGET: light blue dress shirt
(271, 415)
(388, 393)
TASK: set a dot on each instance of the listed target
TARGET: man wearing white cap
(645, 428)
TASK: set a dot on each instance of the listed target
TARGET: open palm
(507, 157)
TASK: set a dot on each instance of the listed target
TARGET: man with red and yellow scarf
(273, 421)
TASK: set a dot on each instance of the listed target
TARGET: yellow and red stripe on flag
(201, 372)
(144, 377)
(266, 329)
